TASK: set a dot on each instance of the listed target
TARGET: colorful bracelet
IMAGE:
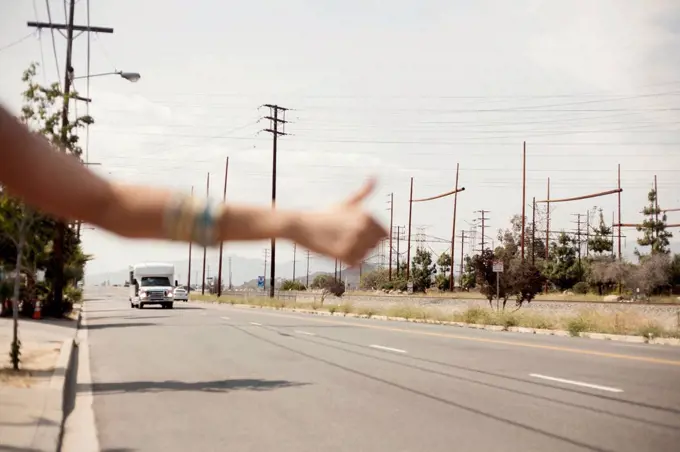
(191, 219)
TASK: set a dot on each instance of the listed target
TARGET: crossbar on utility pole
(81, 28)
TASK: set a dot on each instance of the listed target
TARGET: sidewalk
(31, 401)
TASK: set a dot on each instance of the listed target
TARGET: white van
(152, 283)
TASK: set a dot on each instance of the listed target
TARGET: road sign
(498, 266)
(260, 282)
(409, 287)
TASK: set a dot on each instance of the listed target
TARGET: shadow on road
(118, 325)
(250, 384)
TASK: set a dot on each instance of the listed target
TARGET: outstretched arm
(60, 185)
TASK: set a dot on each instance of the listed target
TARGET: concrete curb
(512, 329)
(48, 437)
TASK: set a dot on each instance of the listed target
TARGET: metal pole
(389, 275)
(452, 283)
(524, 194)
(547, 232)
(408, 244)
(462, 259)
(294, 258)
(205, 250)
(498, 291)
(224, 199)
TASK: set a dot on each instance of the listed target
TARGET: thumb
(363, 193)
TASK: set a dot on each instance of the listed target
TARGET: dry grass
(586, 321)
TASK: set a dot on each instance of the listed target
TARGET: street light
(129, 76)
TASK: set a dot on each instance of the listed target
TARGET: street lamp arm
(129, 76)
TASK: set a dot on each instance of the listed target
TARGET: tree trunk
(15, 350)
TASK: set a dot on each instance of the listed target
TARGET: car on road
(180, 294)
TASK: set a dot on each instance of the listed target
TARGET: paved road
(208, 377)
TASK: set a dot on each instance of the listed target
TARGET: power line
(18, 41)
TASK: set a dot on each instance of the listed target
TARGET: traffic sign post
(260, 282)
(498, 269)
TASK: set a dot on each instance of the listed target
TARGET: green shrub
(346, 308)
(332, 309)
(577, 325)
(580, 288)
(292, 285)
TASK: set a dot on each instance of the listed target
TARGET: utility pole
(398, 238)
(483, 219)
(60, 228)
(462, 258)
(274, 120)
(224, 199)
(452, 283)
(524, 194)
(335, 273)
(389, 274)
(190, 245)
(408, 244)
(308, 253)
(294, 257)
(205, 249)
(231, 286)
(533, 232)
(266, 256)
(578, 235)
(656, 212)
(588, 234)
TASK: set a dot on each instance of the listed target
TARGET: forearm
(49, 180)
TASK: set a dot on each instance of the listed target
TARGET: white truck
(152, 283)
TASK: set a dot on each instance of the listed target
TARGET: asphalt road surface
(206, 377)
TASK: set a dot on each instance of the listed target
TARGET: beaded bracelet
(191, 219)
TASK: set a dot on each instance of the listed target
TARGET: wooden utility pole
(452, 282)
(224, 199)
(533, 232)
(275, 120)
(656, 212)
(60, 227)
(547, 228)
(524, 194)
(190, 246)
(389, 274)
(205, 249)
(308, 253)
(408, 243)
(619, 202)
(398, 239)
(578, 236)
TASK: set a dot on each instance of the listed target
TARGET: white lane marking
(576, 383)
(255, 323)
(389, 349)
(224, 318)
(305, 333)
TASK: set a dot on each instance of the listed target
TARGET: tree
(564, 270)
(290, 284)
(468, 280)
(486, 277)
(374, 279)
(443, 278)
(320, 281)
(511, 239)
(524, 281)
(654, 229)
(601, 242)
(422, 270)
(41, 113)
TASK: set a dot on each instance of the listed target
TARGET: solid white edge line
(389, 349)
(305, 333)
(255, 323)
(576, 383)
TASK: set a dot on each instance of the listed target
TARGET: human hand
(345, 231)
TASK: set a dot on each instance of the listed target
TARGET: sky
(409, 90)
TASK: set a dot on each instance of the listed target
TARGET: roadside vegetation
(585, 321)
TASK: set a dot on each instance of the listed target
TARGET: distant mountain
(350, 276)
(244, 272)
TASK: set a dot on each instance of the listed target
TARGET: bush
(396, 284)
(577, 325)
(580, 288)
(292, 285)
